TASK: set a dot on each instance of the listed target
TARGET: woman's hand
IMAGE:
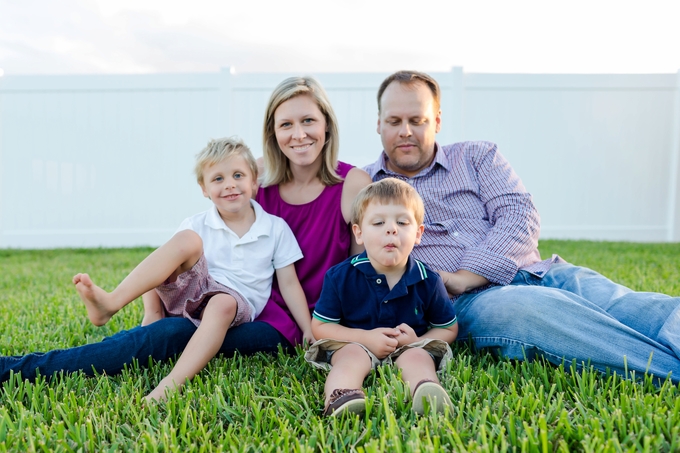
(308, 338)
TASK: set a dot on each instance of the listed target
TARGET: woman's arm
(355, 180)
(295, 299)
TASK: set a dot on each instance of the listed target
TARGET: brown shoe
(430, 391)
(346, 400)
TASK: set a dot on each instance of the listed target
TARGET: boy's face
(388, 232)
(229, 184)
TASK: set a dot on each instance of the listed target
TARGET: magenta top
(324, 238)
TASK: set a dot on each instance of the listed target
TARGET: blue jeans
(160, 340)
(573, 314)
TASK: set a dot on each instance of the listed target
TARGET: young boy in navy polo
(383, 306)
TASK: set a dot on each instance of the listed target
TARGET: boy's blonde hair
(276, 165)
(222, 148)
(386, 191)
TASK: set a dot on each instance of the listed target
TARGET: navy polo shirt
(354, 295)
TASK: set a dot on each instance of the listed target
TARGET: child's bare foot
(100, 307)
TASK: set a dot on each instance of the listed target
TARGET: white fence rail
(106, 160)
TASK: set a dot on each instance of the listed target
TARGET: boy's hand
(381, 341)
(406, 335)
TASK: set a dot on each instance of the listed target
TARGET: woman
(304, 184)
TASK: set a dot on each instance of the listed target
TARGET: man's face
(407, 124)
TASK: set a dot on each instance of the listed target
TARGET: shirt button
(378, 281)
(455, 234)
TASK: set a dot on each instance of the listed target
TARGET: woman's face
(300, 129)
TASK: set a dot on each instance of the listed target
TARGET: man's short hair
(386, 191)
(222, 148)
(411, 78)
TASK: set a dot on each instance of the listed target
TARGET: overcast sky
(146, 36)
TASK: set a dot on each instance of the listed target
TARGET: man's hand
(381, 341)
(406, 335)
(461, 281)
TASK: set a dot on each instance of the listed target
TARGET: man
(481, 231)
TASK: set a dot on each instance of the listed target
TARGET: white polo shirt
(246, 264)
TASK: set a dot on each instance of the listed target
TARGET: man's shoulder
(468, 147)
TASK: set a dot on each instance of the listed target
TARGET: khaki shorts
(320, 353)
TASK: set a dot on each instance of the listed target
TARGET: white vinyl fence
(107, 160)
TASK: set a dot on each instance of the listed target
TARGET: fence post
(224, 126)
(674, 199)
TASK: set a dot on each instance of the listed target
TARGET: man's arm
(461, 281)
(515, 225)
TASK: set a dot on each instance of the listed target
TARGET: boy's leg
(176, 256)
(153, 307)
(203, 346)
(351, 364)
(418, 371)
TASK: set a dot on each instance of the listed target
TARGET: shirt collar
(439, 159)
(261, 226)
(414, 273)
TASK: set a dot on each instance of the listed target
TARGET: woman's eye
(307, 120)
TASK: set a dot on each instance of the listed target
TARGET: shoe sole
(434, 394)
(355, 406)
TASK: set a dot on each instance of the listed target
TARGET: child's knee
(415, 356)
(189, 241)
(222, 306)
(352, 353)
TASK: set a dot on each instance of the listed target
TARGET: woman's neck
(305, 186)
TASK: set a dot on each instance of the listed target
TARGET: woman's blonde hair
(276, 164)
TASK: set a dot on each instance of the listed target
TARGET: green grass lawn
(266, 403)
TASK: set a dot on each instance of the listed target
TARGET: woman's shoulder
(355, 180)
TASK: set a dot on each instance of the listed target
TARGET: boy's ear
(357, 234)
(419, 233)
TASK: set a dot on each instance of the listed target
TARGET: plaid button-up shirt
(478, 215)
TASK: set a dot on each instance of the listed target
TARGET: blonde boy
(383, 306)
(216, 270)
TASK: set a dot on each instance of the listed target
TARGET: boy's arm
(380, 341)
(295, 299)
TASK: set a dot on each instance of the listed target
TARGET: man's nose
(405, 130)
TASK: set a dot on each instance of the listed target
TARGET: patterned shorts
(190, 293)
(320, 353)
